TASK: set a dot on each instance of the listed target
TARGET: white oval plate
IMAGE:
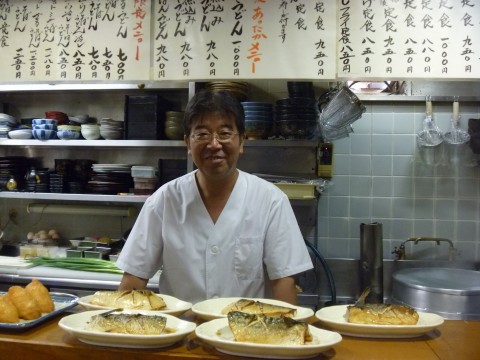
(212, 308)
(75, 325)
(175, 306)
(20, 134)
(218, 334)
(334, 317)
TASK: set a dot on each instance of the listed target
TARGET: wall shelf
(141, 143)
(74, 197)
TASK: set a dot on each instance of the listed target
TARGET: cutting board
(10, 264)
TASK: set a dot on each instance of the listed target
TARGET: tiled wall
(379, 178)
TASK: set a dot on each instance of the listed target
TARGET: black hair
(205, 101)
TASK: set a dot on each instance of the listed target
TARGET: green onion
(81, 264)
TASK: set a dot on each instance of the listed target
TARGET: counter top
(455, 339)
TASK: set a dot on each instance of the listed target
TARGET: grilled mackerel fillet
(130, 299)
(380, 314)
(258, 307)
(136, 324)
(262, 329)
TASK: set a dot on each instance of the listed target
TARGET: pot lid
(440, 280)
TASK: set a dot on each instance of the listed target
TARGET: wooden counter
(454, 340)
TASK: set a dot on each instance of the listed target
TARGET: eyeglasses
(222, 136)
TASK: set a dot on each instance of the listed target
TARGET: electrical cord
(328, 273)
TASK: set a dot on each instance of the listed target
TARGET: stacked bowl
(90, 131)
(111, 129)
(174, 125)
(7, 123)
(258, 119)
(68, 132)
(44, 129)
(59, 116)
(296, 117)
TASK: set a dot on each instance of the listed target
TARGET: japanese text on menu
(242, 39)
(74, 39)
(409, 39)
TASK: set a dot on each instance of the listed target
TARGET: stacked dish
(13, 167)
(296, 118)
(300, 89)
(174, 125)
(68, 132)
(59, 116)
(110, 179)
(7, 123)
(258, 119)
(236, 88)
(111, 129)
(44, 129)
(90, 131)
(78, 119)
(21, 132)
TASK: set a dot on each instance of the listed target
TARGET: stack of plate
(296, 118)
(238, 89)
(111, 129)
(174, 125)
(56, 183)
(258, 119)
(13, 167)
(21, 132)
(7, 123)
(300, 89)
(110, 179)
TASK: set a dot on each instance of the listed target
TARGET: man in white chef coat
(216, 231)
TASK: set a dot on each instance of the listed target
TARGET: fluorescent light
(39, 208)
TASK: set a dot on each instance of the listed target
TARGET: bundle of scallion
(81, 264)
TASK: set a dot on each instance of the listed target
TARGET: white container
(143, 171)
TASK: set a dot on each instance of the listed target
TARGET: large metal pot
(449, 292)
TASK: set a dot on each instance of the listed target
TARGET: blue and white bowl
(45, 127)
(44, 121)
(68, 134)
(42, 134)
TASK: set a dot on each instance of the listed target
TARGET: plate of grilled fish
(220, 307)
(378, 320)
(135, 299)
(127, 328)
(257, 335)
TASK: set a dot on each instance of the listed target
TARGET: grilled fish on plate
(263, 329)
(258, 307)
(136, 324)
(129, 299)
(380, 314)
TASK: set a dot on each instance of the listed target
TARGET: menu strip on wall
(55, 40)
(244, 39)
(390, 39)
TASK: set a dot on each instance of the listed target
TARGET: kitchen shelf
(139, 199)
(93, 86)
(92, 143)
(142, 143)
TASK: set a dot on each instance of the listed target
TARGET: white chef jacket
(255, 238)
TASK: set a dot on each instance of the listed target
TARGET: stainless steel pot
(449, 292)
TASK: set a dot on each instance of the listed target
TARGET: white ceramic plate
(175, 306)
(75, 325)
(62, 303)
(217, 333)
(20, 134)
(212, 308)
(334, 317)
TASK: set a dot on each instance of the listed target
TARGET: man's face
(215, 156)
